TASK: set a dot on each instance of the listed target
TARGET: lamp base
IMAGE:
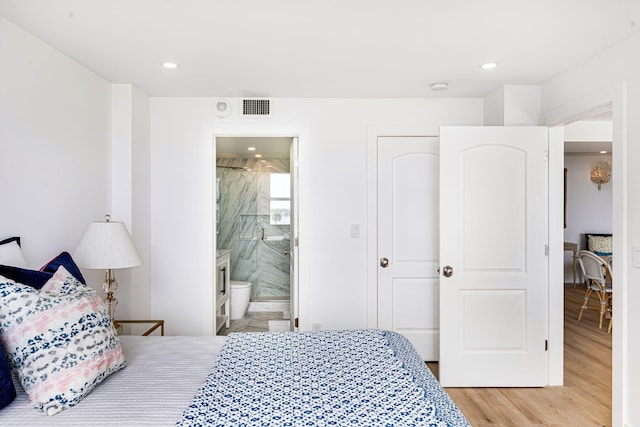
(109, 287)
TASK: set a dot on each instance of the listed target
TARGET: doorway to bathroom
(255, 222)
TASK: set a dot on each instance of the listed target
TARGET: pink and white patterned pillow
(59, 338)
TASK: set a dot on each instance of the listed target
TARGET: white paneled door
(493, 253)
(408, 240)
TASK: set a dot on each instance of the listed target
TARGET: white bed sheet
(161, 378)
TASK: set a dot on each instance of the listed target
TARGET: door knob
(447, 271)
(384, 262)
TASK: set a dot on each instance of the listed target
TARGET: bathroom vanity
(222, 290)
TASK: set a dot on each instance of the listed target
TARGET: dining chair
(595, 270)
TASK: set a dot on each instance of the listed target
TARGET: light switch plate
(355, 231)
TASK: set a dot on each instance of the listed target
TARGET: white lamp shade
(106, 245)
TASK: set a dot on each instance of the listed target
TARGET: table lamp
(107, 245)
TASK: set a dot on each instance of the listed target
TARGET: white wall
(494, 108)
(333, 137)
(130, 150)
(589, 131)
(54, 146)
(589, 210)
(615, 71)
(141, 205)
(512, 105)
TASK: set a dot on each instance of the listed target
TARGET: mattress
(161, 378)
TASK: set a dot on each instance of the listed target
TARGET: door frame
(302, 264)
(373, 133)
(294, 253)
(613, 98)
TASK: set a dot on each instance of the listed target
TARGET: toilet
(240, 293)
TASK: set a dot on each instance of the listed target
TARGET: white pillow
(11, 254)
(601, 245)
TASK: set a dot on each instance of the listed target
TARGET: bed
(165, 376)
(61, 354)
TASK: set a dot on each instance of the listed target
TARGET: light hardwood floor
(584, 400)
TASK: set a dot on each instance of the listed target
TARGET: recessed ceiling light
(489, 65)
(603, 152)
(170, 65)
(438, 86)
(258, 156)
(251, 148)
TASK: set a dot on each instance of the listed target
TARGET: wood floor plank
(583, 401)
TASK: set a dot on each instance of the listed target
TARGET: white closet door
(408, 240)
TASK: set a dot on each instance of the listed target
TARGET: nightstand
(136, 327)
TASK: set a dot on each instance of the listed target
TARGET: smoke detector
(221, 108)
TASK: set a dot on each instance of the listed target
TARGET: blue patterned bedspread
(327, 378)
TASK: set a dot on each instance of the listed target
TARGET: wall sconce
(601, 174)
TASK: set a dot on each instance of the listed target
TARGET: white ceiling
(326, 48)
(574, 147)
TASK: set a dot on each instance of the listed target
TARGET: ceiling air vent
(255, 107)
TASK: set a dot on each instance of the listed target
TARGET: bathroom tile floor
(253, 321)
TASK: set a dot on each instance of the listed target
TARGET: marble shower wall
(243, 213)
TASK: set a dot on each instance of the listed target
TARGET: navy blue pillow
(37, 278)
(66, 261)
(7, 390)
(34, 278)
